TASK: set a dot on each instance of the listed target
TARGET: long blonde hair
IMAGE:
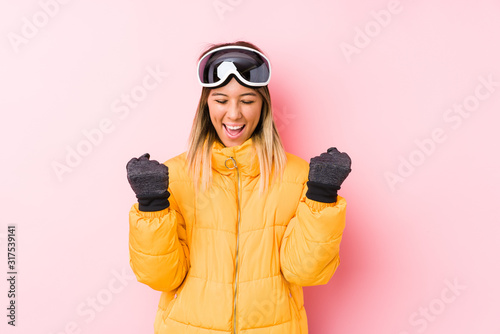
(266, 139)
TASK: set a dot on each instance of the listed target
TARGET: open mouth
(233, 131)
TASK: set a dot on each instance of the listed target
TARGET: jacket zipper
(235, 166)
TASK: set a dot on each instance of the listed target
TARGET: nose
(233, 111)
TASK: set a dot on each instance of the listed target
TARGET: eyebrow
(244, 94)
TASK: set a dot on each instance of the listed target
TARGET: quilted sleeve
(309, 252)
(159, 254)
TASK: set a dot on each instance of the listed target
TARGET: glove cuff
(151, 203)
(321, 192)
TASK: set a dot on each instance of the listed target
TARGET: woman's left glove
(326, 174)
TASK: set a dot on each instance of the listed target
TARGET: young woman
(231, 230)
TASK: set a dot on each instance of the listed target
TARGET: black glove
(149, 181)
(326, 174)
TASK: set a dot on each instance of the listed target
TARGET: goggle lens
(252, 66)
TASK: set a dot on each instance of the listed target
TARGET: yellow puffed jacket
(233, 260)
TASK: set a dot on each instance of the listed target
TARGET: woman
(232, 229)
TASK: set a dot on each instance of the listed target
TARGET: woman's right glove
(326, 174)
(149, 181)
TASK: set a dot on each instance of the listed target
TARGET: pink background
(419, 254)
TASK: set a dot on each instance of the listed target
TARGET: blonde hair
(266, 139)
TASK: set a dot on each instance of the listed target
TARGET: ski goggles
(250, 67)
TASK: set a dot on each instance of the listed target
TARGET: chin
(230, 143)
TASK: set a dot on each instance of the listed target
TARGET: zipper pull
(233, 162)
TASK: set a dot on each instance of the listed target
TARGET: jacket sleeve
(309, 251)
(159, 254)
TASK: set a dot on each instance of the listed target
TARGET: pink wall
(410, 89)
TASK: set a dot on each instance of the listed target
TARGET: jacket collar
(244, 155)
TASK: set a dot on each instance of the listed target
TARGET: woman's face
(234, 112)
